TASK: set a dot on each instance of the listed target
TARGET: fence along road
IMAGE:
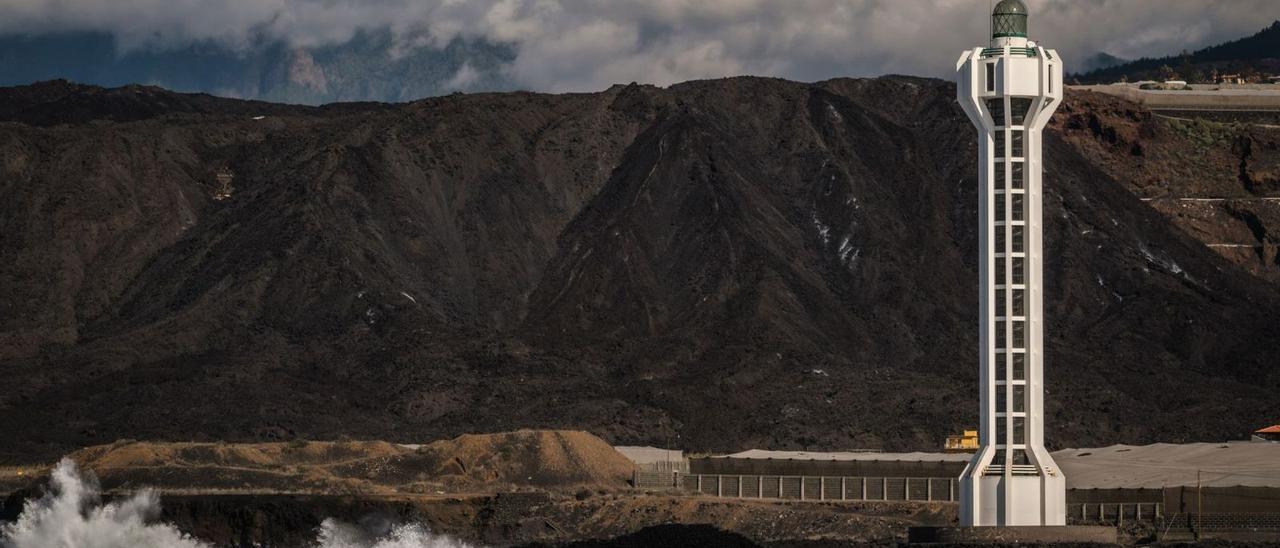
(822, 488)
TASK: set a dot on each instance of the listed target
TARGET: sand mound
(527, 457)
(268, 467)
(469, 463)
(251, 455)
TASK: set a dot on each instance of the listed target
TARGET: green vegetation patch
(1205, 133)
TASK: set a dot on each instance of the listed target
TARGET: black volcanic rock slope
(720, 264)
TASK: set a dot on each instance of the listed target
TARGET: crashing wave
(72, 515)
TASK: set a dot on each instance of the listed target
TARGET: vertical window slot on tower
(1018, 149)
(1019, 366)
(1000, 141)
(1019, 302)
(1018, 110)
(1001, 305)
(999, 182)
(1001, 363)
(1018, 205)
(991, 76)
(1000, 240)
(1019, 237)
(996, 107)
(1020, 335)
(1019, 398)
(1019, 175)
(1019, 273)
(1000, 218)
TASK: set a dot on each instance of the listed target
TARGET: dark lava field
(717, 265)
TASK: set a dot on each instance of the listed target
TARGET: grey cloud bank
(581, 45)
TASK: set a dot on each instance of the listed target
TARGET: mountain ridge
(740, 262)
(1252, 54)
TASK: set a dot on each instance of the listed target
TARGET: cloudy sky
(580, 45)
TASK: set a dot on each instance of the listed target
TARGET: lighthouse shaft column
(1009, 92)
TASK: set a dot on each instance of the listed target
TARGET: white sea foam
(72, 515)
(335, 534)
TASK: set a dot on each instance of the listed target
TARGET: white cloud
(464, 79)
(577, 45)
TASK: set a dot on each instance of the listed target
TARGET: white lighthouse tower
(1010, 90)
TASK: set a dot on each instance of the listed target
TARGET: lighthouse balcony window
(991, 77)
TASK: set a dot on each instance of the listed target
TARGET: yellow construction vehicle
(966, 443)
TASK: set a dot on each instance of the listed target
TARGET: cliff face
(742, 262)
(1217, 180)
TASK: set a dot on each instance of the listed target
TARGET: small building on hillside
(1231, 79)
(1270, 433)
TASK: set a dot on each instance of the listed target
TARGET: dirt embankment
(474, 463)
